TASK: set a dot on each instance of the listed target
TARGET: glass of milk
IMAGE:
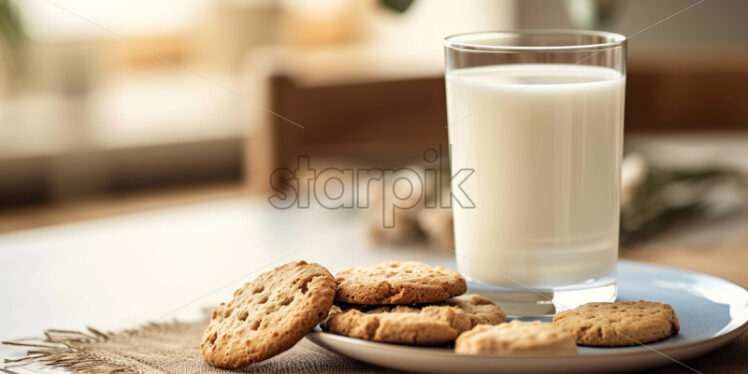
(537, 116)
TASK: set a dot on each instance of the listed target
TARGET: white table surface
(123, 271)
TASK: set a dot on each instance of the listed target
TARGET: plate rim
(317, 336)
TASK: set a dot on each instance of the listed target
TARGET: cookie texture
(516, 338)
(268, 315)
(620, 323)
(479, 309)
(433, 324)
(398, 282)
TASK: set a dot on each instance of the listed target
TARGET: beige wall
(711, 22)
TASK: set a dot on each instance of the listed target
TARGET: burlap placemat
(167, 348)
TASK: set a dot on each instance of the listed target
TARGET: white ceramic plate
(711, 310)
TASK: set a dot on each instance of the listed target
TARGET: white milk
(545, 143)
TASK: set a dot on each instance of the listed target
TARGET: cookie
(620, 323)
(480, 310)
(398, 282)
(268, 315)
(433, 324)
(516, 338)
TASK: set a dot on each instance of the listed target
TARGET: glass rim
(470, 41)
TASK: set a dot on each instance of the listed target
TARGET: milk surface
(545, 142)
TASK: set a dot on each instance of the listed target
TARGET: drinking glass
(536, 121)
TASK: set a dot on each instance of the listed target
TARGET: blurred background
(114, 106)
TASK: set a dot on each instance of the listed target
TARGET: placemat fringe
(69, 349)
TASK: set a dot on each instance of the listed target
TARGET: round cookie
(268, 315)
(398, 282)
(433, 324)
(516, 338)
(620, 323)
(479, 309)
